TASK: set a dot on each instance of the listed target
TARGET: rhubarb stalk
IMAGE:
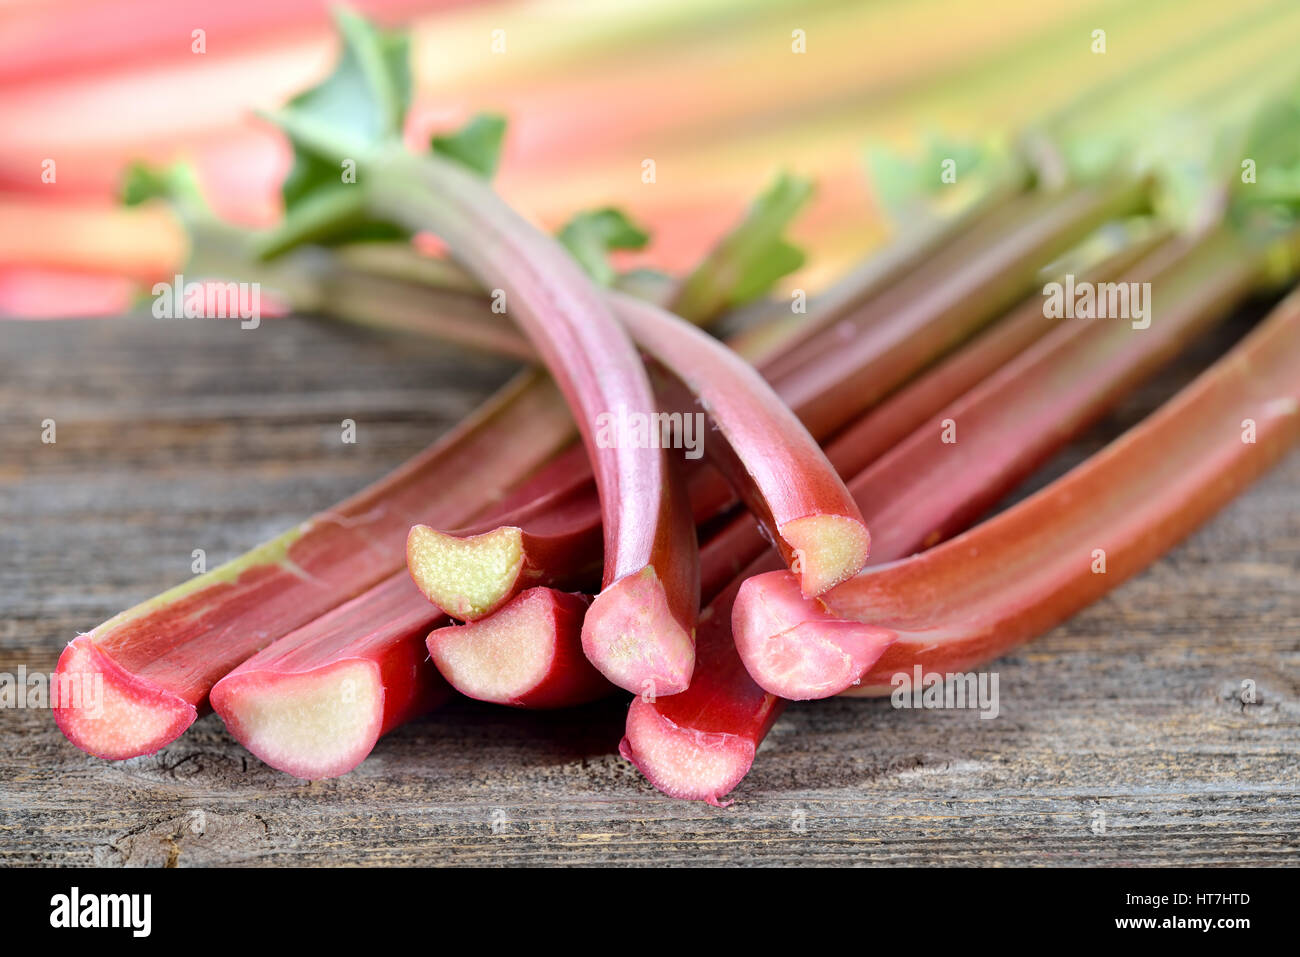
(159, 659)
(314, 703)
(1038, 561)
(944, 475)
(779, 471)
(554, 540)
(527, 655)
(695, 745)
(905, 255)
(650, 593)
(698, 745)
(1067, 545)
(546, 534)
(860, 444)
(975, 279)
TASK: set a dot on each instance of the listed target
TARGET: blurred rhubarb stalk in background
(89, 86)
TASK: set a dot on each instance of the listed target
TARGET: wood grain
(176, 435)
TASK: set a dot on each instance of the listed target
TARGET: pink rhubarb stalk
(932, 317)
(698, 745)
(554, 540)
(849, 367)
(694, 745)
(528, 654)
(159, 659)
(650, 593)
(1069, 544)
(1038, 561)
(314, 703)
(927, 489)
(775, 465)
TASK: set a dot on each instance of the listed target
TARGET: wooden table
(1122, 736)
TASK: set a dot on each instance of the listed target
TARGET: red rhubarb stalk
(916, 253)
(694, 745)
(777, 468)
(314, 703)
(772, 461)
(528, 654)
(650, 593)
(1069, 544)
(860, 444)
(944, 475)
(1038, 561)
(697, 745)
(160, 658)
(554, 540)
(835, 377)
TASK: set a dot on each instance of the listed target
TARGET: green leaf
(751, 258)
(767, 267)
(477, 145)
(364, 101)
(967, 157)
(894, 180)
(177, 184)
(1272, 143)
(1197, 157)
(361, 104)
(309, 174)
(902, 184)
(321, 207)
(590, 236)
(327, 217)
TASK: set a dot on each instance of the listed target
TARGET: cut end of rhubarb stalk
(793, 647)
(632, 638)
(681, 762)
(110, 713)
(828, 549)
(525, 655)
(314, 724)
(470, 577)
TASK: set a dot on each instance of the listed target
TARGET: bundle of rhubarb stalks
(826, 537)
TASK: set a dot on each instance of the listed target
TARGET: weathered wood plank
(175, 436)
